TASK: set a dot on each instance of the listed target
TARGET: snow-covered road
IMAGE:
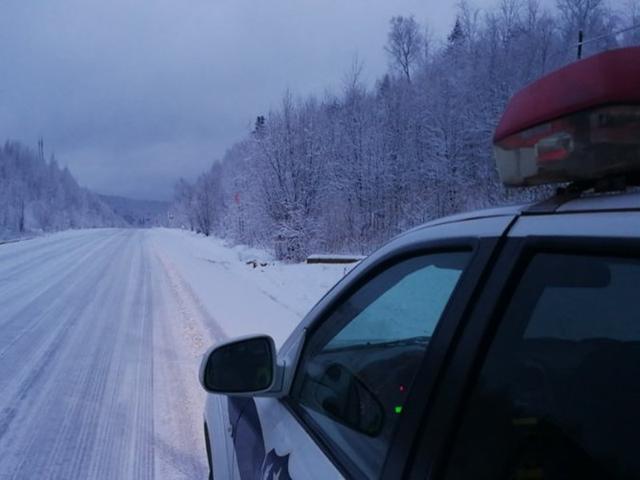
(101, 332)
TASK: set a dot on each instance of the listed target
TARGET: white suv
(491, 345)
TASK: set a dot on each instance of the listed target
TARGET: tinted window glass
(559, 393)
(359, 365)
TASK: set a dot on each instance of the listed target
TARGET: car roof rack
(575, 190)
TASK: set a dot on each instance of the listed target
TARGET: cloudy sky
(132, 94)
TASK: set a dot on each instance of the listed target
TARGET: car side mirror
(242, 367)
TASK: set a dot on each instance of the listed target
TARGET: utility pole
(580, 40)
(41, 148)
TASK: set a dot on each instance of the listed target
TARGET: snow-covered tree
(36, 195)
(345, 172)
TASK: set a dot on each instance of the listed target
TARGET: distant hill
(37, 196)
(138, 213)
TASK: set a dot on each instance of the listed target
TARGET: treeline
(138, 213)
(37, 195)
(345, 172)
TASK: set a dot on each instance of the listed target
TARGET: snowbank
(244, 289)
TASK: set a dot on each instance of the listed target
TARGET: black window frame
(481, 251)
(440, 424)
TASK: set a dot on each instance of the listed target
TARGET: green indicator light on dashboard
(398, 409)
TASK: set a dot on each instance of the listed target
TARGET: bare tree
(352, 80)
(632, 10)
(404, 45)
(580, 13)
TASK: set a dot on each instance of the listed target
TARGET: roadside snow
(244, 289)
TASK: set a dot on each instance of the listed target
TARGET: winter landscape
(109, 298)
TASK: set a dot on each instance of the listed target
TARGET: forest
(37, 196)
(346, 171)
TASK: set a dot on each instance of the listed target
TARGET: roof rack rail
(577, 189)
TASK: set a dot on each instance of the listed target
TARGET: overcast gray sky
(133, 94)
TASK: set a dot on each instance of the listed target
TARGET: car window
(359, 365)
(558, 394)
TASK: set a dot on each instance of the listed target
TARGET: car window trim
(479, 257)
(444, 420)
(437, 358)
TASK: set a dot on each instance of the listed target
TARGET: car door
(364, 344)
(545, 380)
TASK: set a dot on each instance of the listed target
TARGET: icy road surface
(101, 333)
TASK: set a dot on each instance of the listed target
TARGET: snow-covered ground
(244, 289)
(101, 333)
